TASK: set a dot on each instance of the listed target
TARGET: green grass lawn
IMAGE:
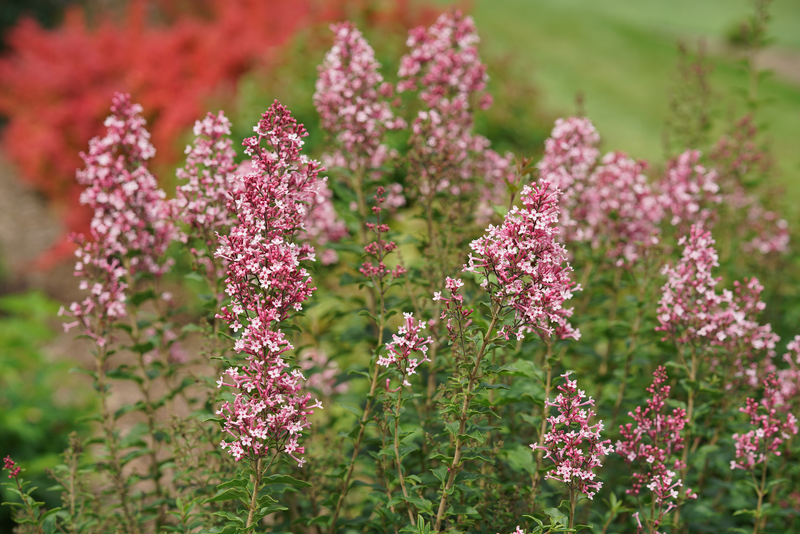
(622, 55)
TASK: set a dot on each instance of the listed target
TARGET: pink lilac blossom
(404, 343)
(266, 284)
(518, 531)
(322, 224)
(525, 269)
(497, 172)
(131, 226)
(131, 215)
(651, 448)
(750, 344)
(688, 309)
(12, 468)
(443, 62)
(688, 191)
(771, 231)
(376, 269)
(572, 443)
(618, 209)
(454, 308)
(570, 154)
(771, 428)
(201, 202)
(352, 100)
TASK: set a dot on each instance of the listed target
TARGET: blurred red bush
(57, 84)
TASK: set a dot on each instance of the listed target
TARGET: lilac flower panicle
(689, 301)
(618, 209)
(453, 307)
(131, 226)
(404, 343)
(651, 448)
(771, 427)
(573, 445)
(201, 202)
(11, 466)
(688, 190)
(692, 310)
(444, 64)
(352, 101)
(570, 154)
(321, 225)
(530, 266)
(266, 284)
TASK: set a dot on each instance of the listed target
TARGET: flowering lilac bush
(427, 292)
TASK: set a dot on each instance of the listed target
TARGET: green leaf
(271, 509)
(557, 517)
(285, 479)
(230, 517)
(138, 298)
(440, 473)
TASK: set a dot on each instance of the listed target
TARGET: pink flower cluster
(688, 191)
(575, 448)
(619, 209)
(404, 343)
(322, 224)
(131, 227)
(351, 99)
(692, 311)
(266, 283)
(789, 378)
(610, 203)
(750, 344)
(130, 213)
(652, 446)
(201, 203)
(771, 427)
(524, 268)
(771, 231)
(377, 271)
(689, 302)
(454, 307)
(570, 154)
(443, 61)
(12, 468)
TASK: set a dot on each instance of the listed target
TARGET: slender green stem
(573, 502)
(543, 428)
(397, 452)
(761, 490)
(256, 480)
(463, 417)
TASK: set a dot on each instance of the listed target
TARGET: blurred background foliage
(60, 61)
(41, 402)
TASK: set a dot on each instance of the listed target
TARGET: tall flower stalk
(130, 231)
(572, 444)
(267, 284)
